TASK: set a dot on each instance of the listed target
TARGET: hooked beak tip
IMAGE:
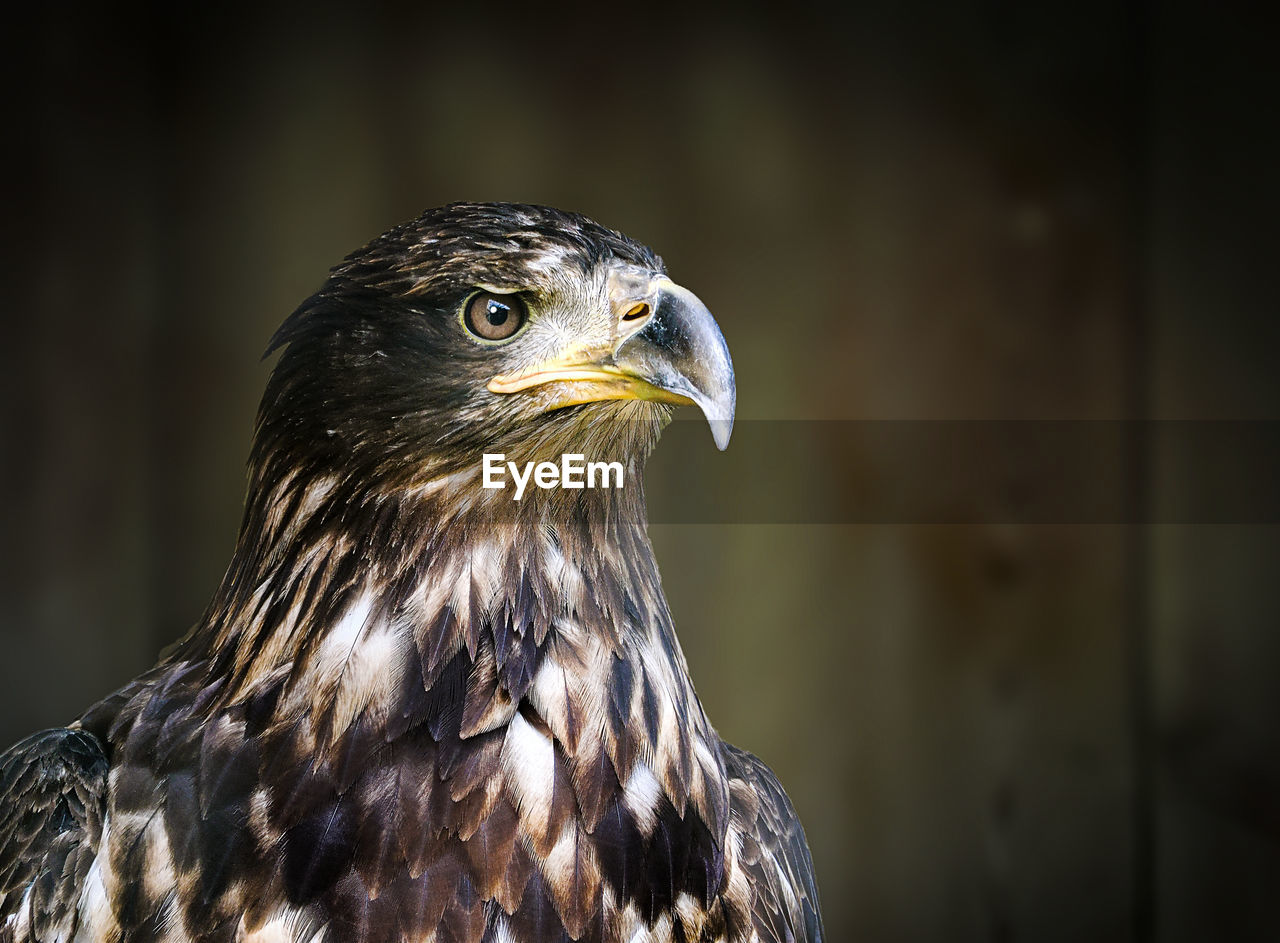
(721, 429)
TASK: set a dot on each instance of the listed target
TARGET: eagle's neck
(471, 615)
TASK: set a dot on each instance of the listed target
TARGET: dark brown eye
(494, 317)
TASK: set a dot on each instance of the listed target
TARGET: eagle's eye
(494, 317)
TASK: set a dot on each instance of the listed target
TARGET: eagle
(416, 708)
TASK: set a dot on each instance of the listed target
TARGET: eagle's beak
(669, 350)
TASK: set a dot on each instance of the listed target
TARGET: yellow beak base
(574, 384)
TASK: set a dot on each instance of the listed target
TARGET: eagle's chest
(424, 818)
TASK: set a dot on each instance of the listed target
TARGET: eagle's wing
(52, 790)
(774, 852)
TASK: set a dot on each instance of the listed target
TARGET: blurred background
(911, 221)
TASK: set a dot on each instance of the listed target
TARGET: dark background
(995, 725)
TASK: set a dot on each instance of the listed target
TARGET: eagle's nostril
(637, 311)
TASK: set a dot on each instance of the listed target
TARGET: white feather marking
(528, 758)
(737, 890)
(96, 922)
(441, 587)
(567, 856)
(550, 259)
(343, 636)
(260, 819)
(374, 669)
(453, 482)
(502, 931)
(550, 695)
(159, 875)
(359, 662)
(641, 796)
(481, 568)
(285, 925)
(704, 754)
(315, 493)
(562, 574)
(18, 923)
(660, 672)
(660, 932)
(784, 882)
(692, 915)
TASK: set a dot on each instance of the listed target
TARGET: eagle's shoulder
(772, 851)
(53, 786)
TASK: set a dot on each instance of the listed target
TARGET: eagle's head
(483, 328)
(473, 330)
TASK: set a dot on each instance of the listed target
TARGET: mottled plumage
(417, 709)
